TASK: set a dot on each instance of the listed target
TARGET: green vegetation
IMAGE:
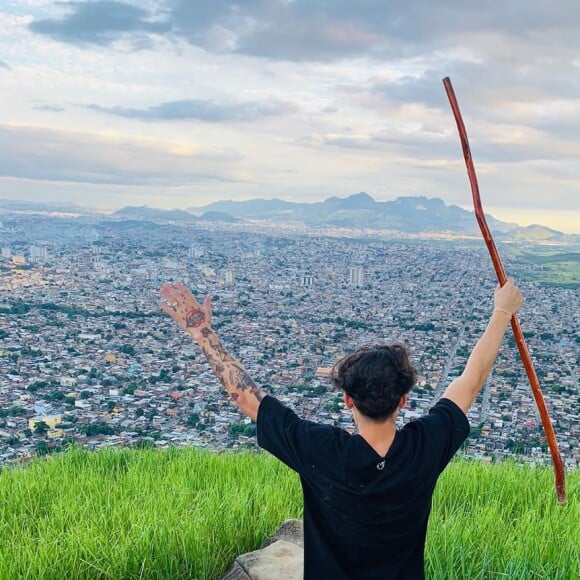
(187, 514)
(553, 268)
(19, 308)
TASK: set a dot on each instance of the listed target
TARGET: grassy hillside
(186, 514)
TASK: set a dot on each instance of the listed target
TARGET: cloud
(100, 22)
(86, 158)
(201, 110)
(325, 30)
(50, 108)
(4, 65)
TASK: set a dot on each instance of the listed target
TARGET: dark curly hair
(376, 378)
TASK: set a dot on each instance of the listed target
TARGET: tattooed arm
(195, 320)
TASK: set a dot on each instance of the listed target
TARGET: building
(229, 276)
(194, 253)
(38, 253)
(307, 280)
(207, 271)
(356, 276)
(50, 420)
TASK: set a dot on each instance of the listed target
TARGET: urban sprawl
(87, 358)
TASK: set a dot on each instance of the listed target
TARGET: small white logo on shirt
(381, 465)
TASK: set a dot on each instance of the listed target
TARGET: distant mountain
(407, 214)
(250, 208)
(534, 233)
(151, 214)
(41, 206)
(217, 216)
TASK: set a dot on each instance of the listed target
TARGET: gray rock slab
(281, 556)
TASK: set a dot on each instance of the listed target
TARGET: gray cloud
(50, 108)
(100, 22)
(201, 110)
(4, 65)
(324, 30)
(84, 158)
(445, 146)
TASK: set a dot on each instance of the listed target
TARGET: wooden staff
(500, 272)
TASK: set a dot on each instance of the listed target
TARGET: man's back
(365, 516)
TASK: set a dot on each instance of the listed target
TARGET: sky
(178, 103)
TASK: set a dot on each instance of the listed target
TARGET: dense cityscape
(87, 358)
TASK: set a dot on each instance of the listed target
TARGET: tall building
(194, 253)
(356, 276)
(307, 280)
(6, 253)
(38, 253)
(229, 276)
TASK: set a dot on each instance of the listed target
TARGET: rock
(281, 556)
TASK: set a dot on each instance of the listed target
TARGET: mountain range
(416, 214)
(360, 210)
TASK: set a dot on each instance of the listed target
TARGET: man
(367, 497)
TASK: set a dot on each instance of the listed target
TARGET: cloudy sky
(177, 103)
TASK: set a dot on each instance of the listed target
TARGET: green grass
(186, 514)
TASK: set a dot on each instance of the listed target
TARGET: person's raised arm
(463, 390)
(195, 319)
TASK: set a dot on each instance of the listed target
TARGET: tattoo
(194, 318)
(206, 351)
(227, 369)
(246, 382)
(221, 351)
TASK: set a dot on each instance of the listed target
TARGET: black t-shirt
(365, 516)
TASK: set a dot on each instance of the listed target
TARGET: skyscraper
(356, 276)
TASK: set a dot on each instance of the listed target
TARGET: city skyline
(174, 104)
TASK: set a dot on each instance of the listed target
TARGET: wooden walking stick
(500, 272)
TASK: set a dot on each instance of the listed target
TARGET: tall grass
(492, 521)
(186, 513)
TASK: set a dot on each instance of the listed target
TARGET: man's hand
(508, 298)
(181, 305)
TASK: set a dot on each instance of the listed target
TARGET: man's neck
(378, 434)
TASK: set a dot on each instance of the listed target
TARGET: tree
(40, 428)
(237, 429)
(192, 420)
(127, 349)
(130, 389)
(33, 387)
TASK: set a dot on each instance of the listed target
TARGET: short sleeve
(293, 440)
(447, 428)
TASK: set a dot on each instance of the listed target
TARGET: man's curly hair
(376, 378)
